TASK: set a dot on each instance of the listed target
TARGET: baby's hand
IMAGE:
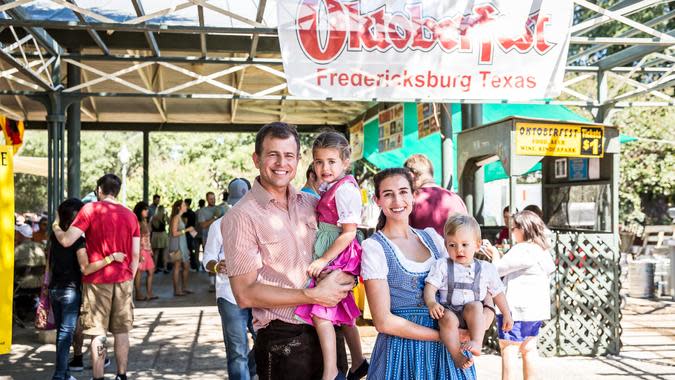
(316, 267)
(436, 310)
(507, 324)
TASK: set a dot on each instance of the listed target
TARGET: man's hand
(118, 256)
(220, 267)
(316, 267)
(436, 310)
(332, 289)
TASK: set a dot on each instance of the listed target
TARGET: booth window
(580, 207)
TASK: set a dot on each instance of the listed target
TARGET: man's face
(211, 199)
(155, 201)
(278, 162)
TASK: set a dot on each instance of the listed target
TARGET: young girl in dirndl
(336, 248)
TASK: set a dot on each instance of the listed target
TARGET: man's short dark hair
(109, 184)
(156, 196)
(188, 201)
(201, 203)
(277, 130)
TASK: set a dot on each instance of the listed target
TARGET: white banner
(399, 50)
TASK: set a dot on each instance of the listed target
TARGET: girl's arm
(500, 301)
(175, 232)
(385, 322)
(346, 236)
(88, 268)
(514, 260)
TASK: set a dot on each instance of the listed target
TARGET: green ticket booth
(579, 197)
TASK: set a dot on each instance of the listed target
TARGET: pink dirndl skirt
(147, 264)
(346, 311)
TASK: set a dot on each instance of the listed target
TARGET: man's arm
(250, 293)
(135, 253)
(66, 238)
(213, 246)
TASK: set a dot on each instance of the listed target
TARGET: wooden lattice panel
(585, 302)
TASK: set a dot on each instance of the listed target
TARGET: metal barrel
(641, 279)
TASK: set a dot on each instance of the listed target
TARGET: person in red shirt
(433, 204)
(110, 228)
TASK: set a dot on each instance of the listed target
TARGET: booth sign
(430, 50)
(559, 140)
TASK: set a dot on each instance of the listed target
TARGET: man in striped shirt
(268, 238)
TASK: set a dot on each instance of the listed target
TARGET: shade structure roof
(218, 61)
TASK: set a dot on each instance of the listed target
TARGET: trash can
(641, 278)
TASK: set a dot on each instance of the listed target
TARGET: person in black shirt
(66, 266)
(190, 218)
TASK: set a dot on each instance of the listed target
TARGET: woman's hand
(316, 267)
(189, 229)
(436, 310)
(490, 250)
(118, 256)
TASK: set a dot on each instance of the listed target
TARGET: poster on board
(391, 128)
(356, 141)
(428, 119)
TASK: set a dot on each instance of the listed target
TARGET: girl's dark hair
(381, 176)
(333, 140)
(532, 226)
(67, 211)
(138, 210)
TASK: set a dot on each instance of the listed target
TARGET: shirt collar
(264, 198)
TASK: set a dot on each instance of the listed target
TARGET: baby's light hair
(333, 140)
(459, 221)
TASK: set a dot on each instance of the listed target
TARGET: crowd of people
(284, 264)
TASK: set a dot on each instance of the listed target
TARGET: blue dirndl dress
(395, 358)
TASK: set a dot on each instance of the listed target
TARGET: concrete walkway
(181, 338)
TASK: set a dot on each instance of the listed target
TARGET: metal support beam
(258, 18)
(41, 36)
(155, 28)
(629, 55)
(28, 72)
(146, 166)
(447, 145)
(202, 36)
(184, 127)
(152, 42)
(92, 33)
(73, 122)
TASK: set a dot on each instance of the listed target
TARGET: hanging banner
(13, 131)
(427, 120)
(6, 247)
(356, 141)
(398, 50)
(391, 128)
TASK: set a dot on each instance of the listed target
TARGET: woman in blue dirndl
(395, 262)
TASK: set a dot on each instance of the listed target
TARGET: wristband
(108, 259)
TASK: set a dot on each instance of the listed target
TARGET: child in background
(463, 283)
(336, 248)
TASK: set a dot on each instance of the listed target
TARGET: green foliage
(31, 190)
(182, 165)
(647, 166)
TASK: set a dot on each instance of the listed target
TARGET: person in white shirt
(526, 269)
(235, 320)
(462, 283)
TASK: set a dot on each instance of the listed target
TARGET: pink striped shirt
(261, 236)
